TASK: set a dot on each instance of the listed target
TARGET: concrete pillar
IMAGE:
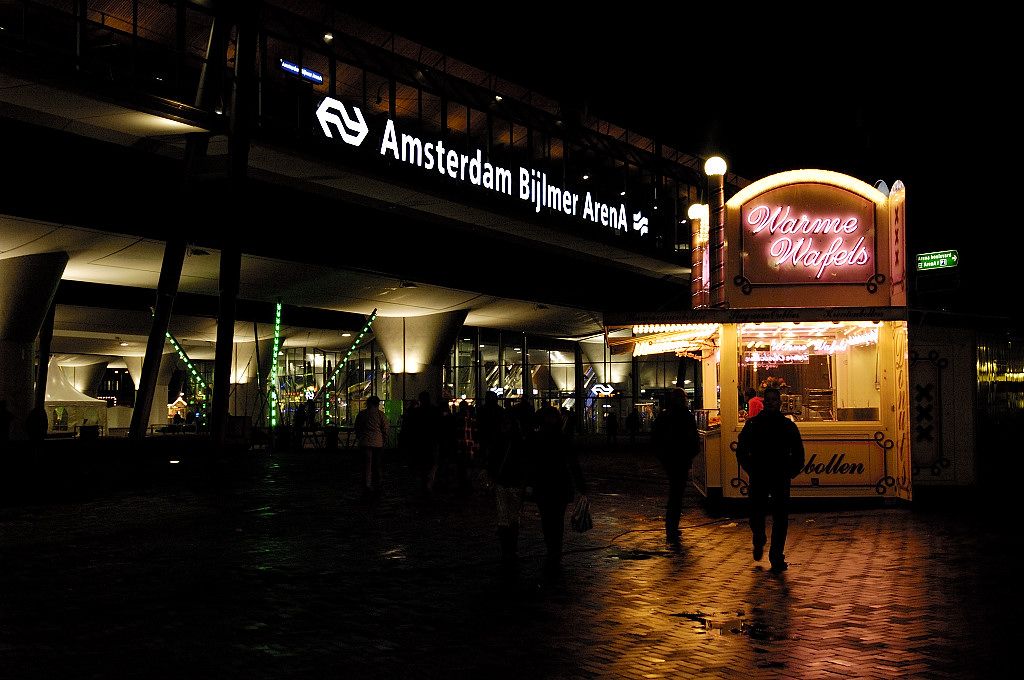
(134, 368)
(416, 348)
(157, 414)
(85, 377)
(230, 275)
(248, 377)
(27, 286)
(36, 429)
(243, 103)
(147, 394)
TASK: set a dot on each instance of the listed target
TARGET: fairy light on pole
(191, 367)
(329, 383)
(272, 380)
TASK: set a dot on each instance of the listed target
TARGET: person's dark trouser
(770, 495)
(372, 478)
(674, 505)
(552, 523)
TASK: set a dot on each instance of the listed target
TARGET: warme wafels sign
(808, 233)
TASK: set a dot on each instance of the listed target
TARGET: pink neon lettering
(794, 244)
(779, 220)
(801, 253)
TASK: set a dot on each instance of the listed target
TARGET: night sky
(894, 95)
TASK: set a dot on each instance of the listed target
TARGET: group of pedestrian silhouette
(514, 454)
(769, 450)
(525, 454)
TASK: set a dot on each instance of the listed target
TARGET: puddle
(636, 554)
(394, 553)
(735, 625)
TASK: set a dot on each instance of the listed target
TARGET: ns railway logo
(347, 124)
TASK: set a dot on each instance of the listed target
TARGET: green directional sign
(943, 259)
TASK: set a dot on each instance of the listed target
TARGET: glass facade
(489, 360)
(302, 373)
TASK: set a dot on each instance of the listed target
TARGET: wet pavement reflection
(286, 572)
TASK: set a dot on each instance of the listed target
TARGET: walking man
(771, 452)
(675, 441)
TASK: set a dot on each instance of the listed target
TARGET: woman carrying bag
(556, 475)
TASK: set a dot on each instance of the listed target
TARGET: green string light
(272, 380)
(344, 362)
(189, 366)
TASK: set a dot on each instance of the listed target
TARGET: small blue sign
(306, 73)
(312, 75)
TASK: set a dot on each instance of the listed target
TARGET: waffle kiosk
(802, 285)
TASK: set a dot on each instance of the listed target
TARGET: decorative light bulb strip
(272, 380)
(330, 382)
(203, 387)
(188, 362)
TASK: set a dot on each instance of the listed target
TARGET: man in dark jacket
(421, 435)
(675, 441)
(771, 452)
(556, 476)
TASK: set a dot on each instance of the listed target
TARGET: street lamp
(698, 215)
(715, 168)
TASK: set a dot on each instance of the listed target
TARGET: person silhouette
(422, 429)
(633, 425)
(555, 475)
(502, 452)
(675, 441)
(300, 427)
(771, 452)
(371, 429)
(611, 425)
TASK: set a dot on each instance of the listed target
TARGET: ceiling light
(328, 37)
(124, 344)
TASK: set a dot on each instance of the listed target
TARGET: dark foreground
(271, 566)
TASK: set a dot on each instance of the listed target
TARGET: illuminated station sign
(341, 123)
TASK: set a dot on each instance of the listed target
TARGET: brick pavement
(278, 570)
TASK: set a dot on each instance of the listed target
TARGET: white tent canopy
(60, 389)
(66, 407)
